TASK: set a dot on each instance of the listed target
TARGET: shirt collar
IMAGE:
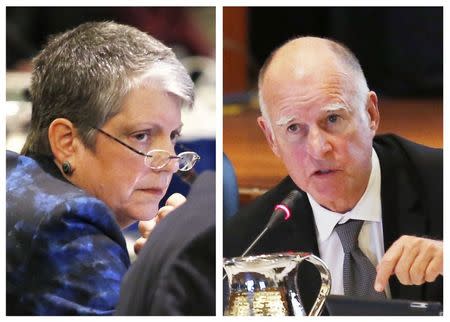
(368, 207)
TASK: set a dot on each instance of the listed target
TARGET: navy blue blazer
(65, 253)
(412, 204)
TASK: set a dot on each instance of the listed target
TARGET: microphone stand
(276, 218)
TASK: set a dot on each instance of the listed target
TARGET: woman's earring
(67, 168)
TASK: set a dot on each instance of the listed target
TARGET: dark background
(400, 48)
(186, 29)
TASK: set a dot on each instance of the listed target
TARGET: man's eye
(333, 118)
(293, 128)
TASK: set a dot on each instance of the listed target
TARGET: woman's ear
(62, 139)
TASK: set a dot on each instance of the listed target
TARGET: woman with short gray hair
(99, 156)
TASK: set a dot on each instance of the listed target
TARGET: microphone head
(282, 211)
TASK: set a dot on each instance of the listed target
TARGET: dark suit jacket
(411, 196)
(65, 253)
(175, 271)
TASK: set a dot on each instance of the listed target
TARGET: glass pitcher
(267, 284)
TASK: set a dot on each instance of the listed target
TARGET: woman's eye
(175, 135)
(141, 137)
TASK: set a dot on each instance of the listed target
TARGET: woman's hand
(146, 227)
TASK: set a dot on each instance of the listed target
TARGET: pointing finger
(387, 265)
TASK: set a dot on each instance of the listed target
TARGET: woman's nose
(172, 166)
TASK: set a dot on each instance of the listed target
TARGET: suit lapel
(298, 235)
(304, 226)
(401, 209)
(304, 231)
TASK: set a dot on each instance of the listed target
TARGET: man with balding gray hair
(320, 118)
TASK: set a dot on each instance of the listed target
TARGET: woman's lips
(154, 191)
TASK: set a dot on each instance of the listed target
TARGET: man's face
(324, 140)
(149, 119)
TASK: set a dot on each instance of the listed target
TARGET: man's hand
(146, 227)
(413, 260)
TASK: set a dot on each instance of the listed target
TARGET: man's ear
(265, 127)
(62, 139)
(372, 111)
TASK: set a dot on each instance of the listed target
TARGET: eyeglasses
(158, 159)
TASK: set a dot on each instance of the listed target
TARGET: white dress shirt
(370, 239)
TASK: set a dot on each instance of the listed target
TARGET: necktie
(359, 272)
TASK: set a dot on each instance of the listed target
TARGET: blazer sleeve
(81, 257)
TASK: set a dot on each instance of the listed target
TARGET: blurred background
(400, 50)
(190, 32)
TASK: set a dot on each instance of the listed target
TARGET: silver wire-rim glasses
(157, 159)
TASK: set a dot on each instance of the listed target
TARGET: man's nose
(318, 143)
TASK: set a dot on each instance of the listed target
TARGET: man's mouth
(323, 172)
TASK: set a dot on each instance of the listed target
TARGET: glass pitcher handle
(325, 287)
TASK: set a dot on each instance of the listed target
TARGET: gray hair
(348, 60)
(84, 74)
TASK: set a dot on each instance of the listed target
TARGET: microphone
(281, 212)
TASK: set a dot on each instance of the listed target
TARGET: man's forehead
(329, 108)
(302, 56)
(284, 80)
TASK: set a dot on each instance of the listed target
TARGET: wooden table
(258, 169)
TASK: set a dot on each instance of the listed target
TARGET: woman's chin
(142, 213)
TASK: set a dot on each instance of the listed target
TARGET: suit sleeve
(187, 287)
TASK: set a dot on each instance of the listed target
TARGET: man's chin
(326, 195)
